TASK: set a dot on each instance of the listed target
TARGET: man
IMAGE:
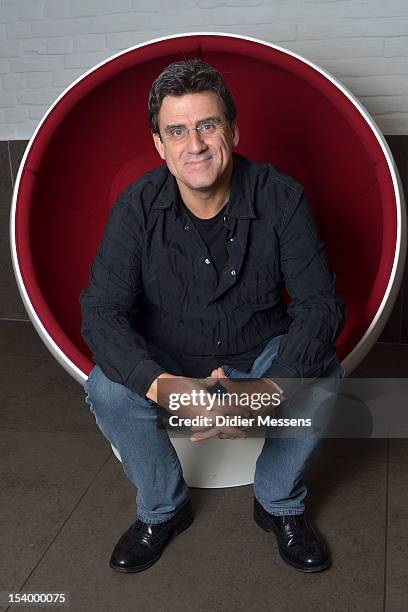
(186, 288)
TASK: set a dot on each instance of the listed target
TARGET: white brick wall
(46, 44)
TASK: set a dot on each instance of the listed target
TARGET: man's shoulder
(264, 173)
(146, 187)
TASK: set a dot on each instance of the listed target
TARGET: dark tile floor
(66, 501)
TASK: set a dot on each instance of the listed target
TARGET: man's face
(199, 161)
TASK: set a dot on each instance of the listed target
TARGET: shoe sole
(182, 526)
(259, 520)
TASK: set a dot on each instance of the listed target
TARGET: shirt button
(232, 239)
(233, 273)
(186, 227)
(219, 342)
(207, 261)
(225, 218)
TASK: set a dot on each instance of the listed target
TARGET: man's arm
(316, 310)
(110, 300)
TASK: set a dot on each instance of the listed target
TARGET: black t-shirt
(214, 232)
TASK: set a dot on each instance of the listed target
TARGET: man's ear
(235, 133)
(159, 145)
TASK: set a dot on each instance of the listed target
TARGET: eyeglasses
(179, 133)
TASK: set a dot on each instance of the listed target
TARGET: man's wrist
(152, 390)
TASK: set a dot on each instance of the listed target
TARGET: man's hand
(260, 386)
(251, 387)
(167, 384)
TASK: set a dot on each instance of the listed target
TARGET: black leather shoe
(299, 544)
(142, 544)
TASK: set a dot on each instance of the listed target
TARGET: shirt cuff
(143, 376)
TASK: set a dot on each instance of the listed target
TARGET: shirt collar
(240, 204)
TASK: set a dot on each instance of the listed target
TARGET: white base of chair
(214, 463)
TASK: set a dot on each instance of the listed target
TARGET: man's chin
(199, 185)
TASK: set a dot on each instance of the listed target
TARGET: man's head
(192, 117)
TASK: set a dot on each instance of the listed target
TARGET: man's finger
(205, 435)
(230, 432)
(209, 425)
(223, 435)
(265, 385)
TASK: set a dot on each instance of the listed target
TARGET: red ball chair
(95, 140)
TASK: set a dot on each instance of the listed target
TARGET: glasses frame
(198, 129)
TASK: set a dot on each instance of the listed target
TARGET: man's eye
(207, 127)
(177, 131)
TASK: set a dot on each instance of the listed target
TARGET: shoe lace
(299, 533)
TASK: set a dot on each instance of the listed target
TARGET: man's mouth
(198, 162)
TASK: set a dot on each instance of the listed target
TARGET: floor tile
(370, 449)
(20, 340)
(43, 476)
(397, 541)
(225, 561)
(40, 396)
(399, 450)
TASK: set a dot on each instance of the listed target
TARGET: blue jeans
(150, 461)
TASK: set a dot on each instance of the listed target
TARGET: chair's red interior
(96, 140)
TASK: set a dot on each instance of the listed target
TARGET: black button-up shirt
(153, 280)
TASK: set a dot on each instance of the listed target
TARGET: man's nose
(196, 142)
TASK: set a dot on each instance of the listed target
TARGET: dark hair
(188, 76)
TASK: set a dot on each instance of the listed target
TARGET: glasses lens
(178, 133)
(207, 128)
